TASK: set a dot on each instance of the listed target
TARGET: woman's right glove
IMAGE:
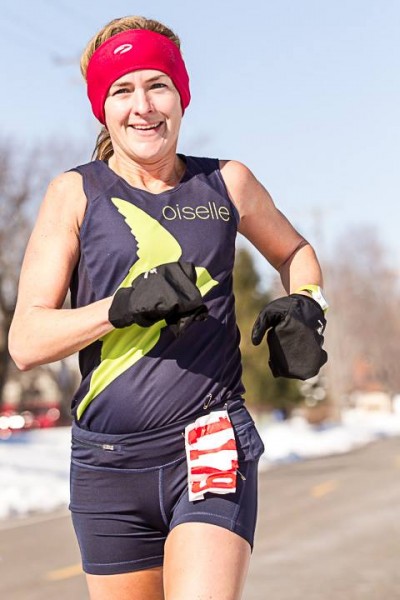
(295, 326)
(166, 292)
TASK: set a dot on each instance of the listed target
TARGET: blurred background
(307, 94)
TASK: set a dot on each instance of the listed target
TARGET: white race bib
(211, 454)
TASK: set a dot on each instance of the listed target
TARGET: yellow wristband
(316, 294)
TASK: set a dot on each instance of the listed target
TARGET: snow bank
(293, 440)
(34, 466)
(34, 471)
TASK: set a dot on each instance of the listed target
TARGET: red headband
(133, 50)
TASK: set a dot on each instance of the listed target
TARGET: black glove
(296, 324)
(166, 292)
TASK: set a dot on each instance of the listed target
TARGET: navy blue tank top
(137, 379)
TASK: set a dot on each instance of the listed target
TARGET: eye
(120, 91)
(157, 85)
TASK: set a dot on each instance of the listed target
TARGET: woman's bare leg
(204, 562)
(140, 585)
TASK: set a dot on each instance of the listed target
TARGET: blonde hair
(104, 149)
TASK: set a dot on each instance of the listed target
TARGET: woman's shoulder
(65, 196)
(68, 179)
(244, 189)
(69, 182)
(77, 183)
(239, 180)
(236, 171)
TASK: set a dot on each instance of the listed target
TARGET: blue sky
(305, 92)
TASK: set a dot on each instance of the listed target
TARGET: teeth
(145, 127)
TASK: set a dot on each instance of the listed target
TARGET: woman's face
(143, 115)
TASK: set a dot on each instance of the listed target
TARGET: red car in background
(36, 417)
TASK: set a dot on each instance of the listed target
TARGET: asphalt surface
(328, 529)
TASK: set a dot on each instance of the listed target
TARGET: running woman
(164, 451)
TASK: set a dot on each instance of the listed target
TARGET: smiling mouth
(148, 127)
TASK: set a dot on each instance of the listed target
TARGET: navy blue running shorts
(128, 491)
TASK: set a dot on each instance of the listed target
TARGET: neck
(155, 177)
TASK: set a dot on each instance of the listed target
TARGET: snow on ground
(34, 466)
(34, 471)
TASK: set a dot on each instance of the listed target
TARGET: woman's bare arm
(42, 331)
(269, 230)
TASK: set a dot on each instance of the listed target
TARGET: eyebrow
(149, 80)
(155, 77)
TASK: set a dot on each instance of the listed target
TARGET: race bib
(211, 454)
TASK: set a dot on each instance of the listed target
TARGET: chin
(149, 154)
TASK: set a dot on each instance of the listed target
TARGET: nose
(141, 103)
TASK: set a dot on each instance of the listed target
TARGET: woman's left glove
(295, 326)
(166, 292)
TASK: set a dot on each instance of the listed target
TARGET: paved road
(329, 529)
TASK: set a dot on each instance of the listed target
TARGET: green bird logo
(122, 348)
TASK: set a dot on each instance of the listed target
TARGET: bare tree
(364, 321)
(18, 187)
(24, 176)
